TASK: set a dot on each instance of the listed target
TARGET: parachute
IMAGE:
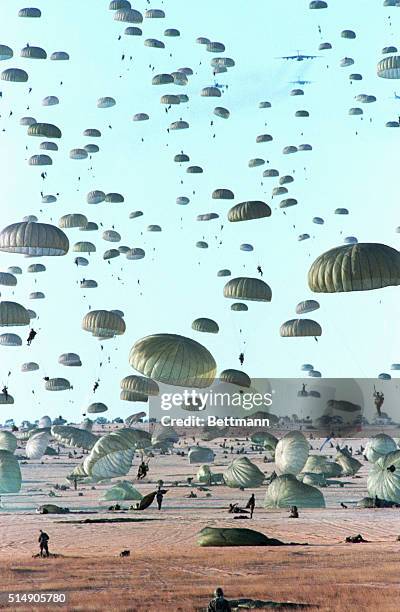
(246, 211)
(222, 112)
(57, 384)
(134, 418)
(286, 491)
(235, 377)
(140, 385)
(153, 42)
(264, 138)
(265, 439)
(291, 453)
(44, 130)
(13, 314)
(73, 436)
(140, 117)
(113, 453)
(116, 5)
(33, 53)
(210, 92)
(8, 441)
(30, 366)
(243, 473)
(10, 340)
(222, 194)
(355, 267)
(78, 154)
(122, 491)
(10, 473)
(59, 56)
(111, 254)
(106, 102)
(384, 478)
(350, 465)
(172, 32)
(300, 327)
(36, 445)
(154, 14)
(205, 325)
(132, 396)
(378, 446)
(231, 536)
(40, 160)
(244, 288)
(306, 306)
(200, 454)
(72, 220)
(318, 464)
(35, 268)
(37, 295)
(5, 52)
(7, 279)
(135, 253)
(256, 162)
(103, 324)
(173, 359)
(96, 408)
(389, 67)
(33, 239)
(14, 75)
(30, 12)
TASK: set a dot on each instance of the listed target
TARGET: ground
(168, 571)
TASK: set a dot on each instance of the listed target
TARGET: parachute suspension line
(239, 338)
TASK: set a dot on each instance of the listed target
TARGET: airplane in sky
(300, 57)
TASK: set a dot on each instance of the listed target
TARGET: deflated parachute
(243, 473)
(291, 453)
(286, 491)
(112, 454)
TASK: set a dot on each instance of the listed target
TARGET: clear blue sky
(178, 282)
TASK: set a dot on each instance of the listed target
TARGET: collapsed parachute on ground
(291, 453)
(36, 445)
(231, 536)
(286, 491)
(8, 441)
(378, 446)
(200, 454)
(384, 478)
(122, 491)
(10, 473)
(243, 473)
(113, 453)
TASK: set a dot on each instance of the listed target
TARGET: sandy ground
(168, 571)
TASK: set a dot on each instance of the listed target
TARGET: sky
(353, 164)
